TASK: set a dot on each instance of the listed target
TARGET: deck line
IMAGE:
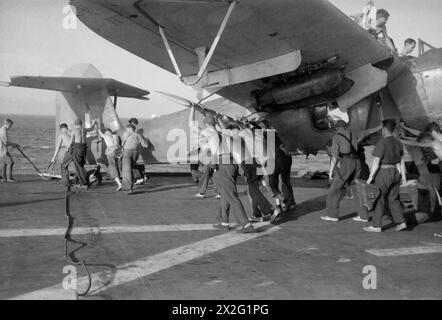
(148, 265)
(9, 233)
(405, 251)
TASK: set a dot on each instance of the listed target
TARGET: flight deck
(159, 243)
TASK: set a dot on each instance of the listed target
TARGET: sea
(36, 136)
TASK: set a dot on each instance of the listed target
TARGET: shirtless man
(61, 146)
(409, 46)
(77, 151)
(112, 147)
(375, 21)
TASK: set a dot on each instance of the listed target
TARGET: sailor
(77, 151)
(243, 155)
(211, 167)
(203, 184)
(209, 140)
(433, 135)
(6, 161)
(130, 145)
(387, 172)
(62, 143)
(342, 150)
(283, 167)
(374, 21)
(139, 171)
(112, 148)
(382, 17)
(409, 46)
(228, 172)
(363, 214)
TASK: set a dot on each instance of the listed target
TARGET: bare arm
(411, 130)
(115, 138)
(416, 144)
(369, 132)
(143, 141)
(374, 169)
(223, 126)
(57, 149)
(333, 163)
(403, 171)
(92, 128)
(100, 132)
(70, 142)
(388, 41)
(7, 142)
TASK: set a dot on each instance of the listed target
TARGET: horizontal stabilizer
(74, 85)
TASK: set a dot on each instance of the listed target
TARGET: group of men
(375, 22)
(231, 149)
(121, 153)
(387, 173)
(230, 146)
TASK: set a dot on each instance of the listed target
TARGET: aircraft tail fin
(82, 93)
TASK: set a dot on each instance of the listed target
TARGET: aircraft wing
(261, 39)
(73, 85)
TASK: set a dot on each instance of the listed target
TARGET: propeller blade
(176, 99)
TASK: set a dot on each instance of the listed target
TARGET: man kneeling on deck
(387, 171)
(350, 166)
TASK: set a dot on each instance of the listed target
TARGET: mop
(45, 175)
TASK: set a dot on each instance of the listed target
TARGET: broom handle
(32, 164)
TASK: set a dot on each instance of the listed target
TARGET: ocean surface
(36, 136)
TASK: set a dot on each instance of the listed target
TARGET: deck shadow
(304, 208)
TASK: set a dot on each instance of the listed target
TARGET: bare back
(79, 135)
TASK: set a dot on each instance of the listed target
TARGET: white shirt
(3, 141)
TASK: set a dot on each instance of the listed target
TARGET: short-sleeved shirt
(340, 145)
(132, 142)
(3, 140)
(389, 150)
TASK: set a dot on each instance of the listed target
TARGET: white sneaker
(372, 229)
(276, 213)
(139, 181)
(327, 218)
(401, 226)
(217, 196)
(359, 219)
(199, 195)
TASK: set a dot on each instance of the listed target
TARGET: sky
(34, 42)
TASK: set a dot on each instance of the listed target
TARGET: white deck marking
(150, 264)
(406, 251)
(5, 233)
